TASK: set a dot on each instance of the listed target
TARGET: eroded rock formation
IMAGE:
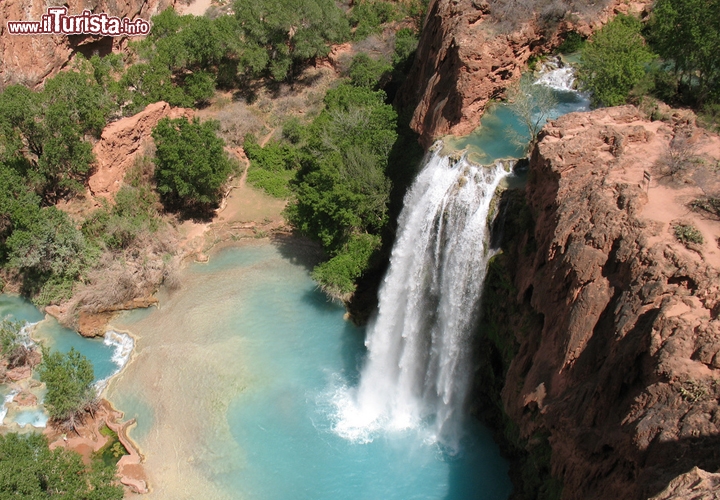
(122, 141)
(29, 59)
(620, 367)
(465, 60)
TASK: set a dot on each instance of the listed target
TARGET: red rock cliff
(464, 60)
(624, 371)
(29, 59)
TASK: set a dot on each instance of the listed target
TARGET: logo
(58, 22)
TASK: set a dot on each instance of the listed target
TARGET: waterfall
(418, 369)
(556, 75)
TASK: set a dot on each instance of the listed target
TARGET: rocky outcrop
(464, 60)
(617, 364)
(29, 59)
(122, 141)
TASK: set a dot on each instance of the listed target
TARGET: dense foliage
(342, 189)
(687, 33)
(613, 61)
(281, 35)
(42, 133)
(191, 164)
(12, 348)
(69, 379)
(28, 469)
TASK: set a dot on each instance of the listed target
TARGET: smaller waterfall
(123, 345)
(417, 371)
(557, 75)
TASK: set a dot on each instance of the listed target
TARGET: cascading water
(417, 370)
(555, 74)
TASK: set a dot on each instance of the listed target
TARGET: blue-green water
(501, 132)
(56, 336)
(255, 312)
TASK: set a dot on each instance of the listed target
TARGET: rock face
(120, 143)
(29, 59)
(622, 370)
(464, 60)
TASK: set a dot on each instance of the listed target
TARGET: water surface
(232, 382)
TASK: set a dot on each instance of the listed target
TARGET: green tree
(281, 35)
(12, 347)
(69, 378)
(687, 33)
(191, 164)
(367, 72)
(613, 61)
(43, 133)
(28, 469)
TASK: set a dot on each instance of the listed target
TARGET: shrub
(338, 275)
(271, 167)
(69, 378)
(28, 469)
(12, 347)
(368, 15)
(367, 72)
(613, 61)
(572, 43)
(688, 234)
(679, 155)
(708, 204)
(191, 164)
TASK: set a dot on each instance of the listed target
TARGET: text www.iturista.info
(57, 22)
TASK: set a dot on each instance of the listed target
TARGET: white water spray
(556, 75)
(418, 367)
(123, 345)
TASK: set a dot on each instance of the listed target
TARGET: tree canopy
(613, 61)
(191, 164)
(280, 34)
(687, 33)
(69, 378)
(28, 469)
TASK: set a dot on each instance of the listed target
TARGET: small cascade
(418, 368)
(123, 345)
(554, 73)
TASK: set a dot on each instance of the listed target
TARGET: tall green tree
(280, 35)
(613, 61)
(191, 164)
(69, 378)
(687, 33)
(28, 469)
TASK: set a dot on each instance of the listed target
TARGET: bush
(280, 36)
(338, 275)
(28, 469)
(708, 204)
(406, 42)
(191, 164)
(613, 61)
(271, 167)
(12, 348)
(69, 378)
(367, 72)
(573, 42)
(688, 234)
(368, 15)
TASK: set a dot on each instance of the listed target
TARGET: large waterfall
(418, 368)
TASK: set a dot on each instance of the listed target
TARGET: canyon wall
(465, 59)
(604, 328)
(29, 59)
